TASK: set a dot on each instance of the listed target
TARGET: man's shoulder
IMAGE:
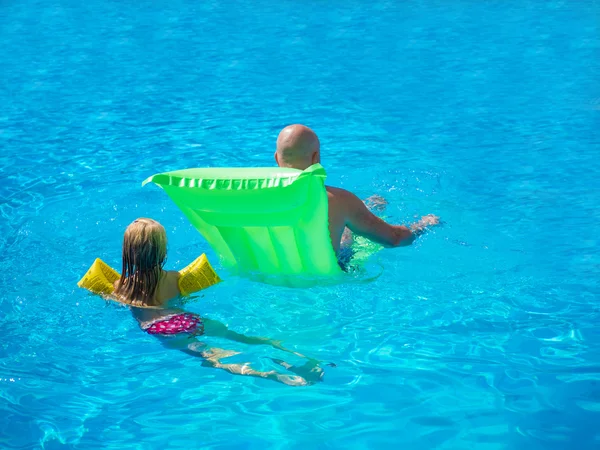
(342, 199)
(340, 193)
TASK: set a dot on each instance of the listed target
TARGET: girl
(147, 288)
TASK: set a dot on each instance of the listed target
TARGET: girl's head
(144, 253)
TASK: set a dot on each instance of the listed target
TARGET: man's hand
(426, 221)
(376, 203)
(429, 220)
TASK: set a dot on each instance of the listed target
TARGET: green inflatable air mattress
(263, 221)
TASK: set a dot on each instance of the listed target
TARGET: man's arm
(363, 222)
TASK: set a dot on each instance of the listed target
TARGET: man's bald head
(298, 147)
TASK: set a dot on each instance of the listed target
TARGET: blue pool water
(482, 335)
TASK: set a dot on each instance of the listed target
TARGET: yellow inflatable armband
(197, 276)
(100, 277)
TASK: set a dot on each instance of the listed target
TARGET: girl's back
(143, 281)
(167, 289)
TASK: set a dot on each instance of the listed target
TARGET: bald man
(298, 147)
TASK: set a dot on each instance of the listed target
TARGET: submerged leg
(218, 329)
(212, 358)
(310, 370)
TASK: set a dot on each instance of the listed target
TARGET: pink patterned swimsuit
(176, 324)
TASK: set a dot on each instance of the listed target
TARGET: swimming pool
(482, 335)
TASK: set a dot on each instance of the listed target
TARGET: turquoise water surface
(483, 335)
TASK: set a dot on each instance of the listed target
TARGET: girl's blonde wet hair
(144, 254)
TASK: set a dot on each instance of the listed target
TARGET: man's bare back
(299, 147)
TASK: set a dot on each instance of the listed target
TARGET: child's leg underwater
(218, 329)
(212, 358)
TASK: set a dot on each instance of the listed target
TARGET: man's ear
(316, 158)
(276, 158)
